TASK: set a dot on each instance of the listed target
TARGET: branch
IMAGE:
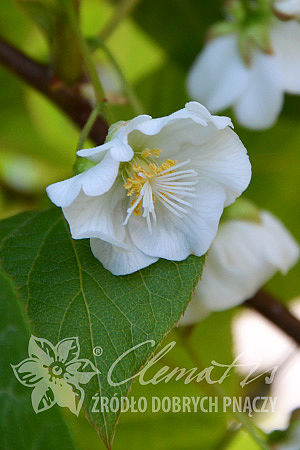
(41, 78)
(277, 313)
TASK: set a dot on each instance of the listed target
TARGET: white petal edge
(192, 110)
(285, 39)
(243, 257)
(222, 159)
(218, 75)
(283, 251)
(98, 217)
(93, 182)
(288, 7)
(260, 104)
(118, 146)
(120, 261)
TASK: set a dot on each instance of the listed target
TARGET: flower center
(150, 183)
(56, 370)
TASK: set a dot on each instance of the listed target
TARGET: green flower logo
(55, 373)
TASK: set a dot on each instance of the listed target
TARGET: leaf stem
(121, 12)
(88, 126)
(129, 90)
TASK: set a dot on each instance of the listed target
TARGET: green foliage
(155, 49)
(69, 293)
(20, 427)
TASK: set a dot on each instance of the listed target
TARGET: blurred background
(155, 47)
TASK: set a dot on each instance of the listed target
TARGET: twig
(277, 313)
(88, 126)
(42, 79)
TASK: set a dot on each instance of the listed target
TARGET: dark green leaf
(69, 293)
(20, 427)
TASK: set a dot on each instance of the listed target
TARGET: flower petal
(64, 192)
(42, 350)
(175, 238)
(222, 159)
(95, 181)
(283, 250)
(98, 217)
(286, 43)
(118, 146)
(80, 371)
(120, 261)
(218, 76)
(29, 372)
(42, 397)
(190, 126)
(260, 104)
(95, 154)
(100, 178)
(68, 349)
(220, 122)
(66, 395)
(288, 8)
(243, 257)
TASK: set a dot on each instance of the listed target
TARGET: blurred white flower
(220, 78)
(288, 8)
(242, 258)
(111, 84)
(259, 343)
(158, 189)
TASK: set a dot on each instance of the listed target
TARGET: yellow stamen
(156, 152)
(135, 184)
(146, 153)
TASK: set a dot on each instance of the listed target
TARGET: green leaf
(69, 293)
(20, 427)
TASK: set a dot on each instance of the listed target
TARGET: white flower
(220, 78)
(288, 8)
(55, 374)
(243, 257)
(158, 189)
(259, 343)
(111, 84)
